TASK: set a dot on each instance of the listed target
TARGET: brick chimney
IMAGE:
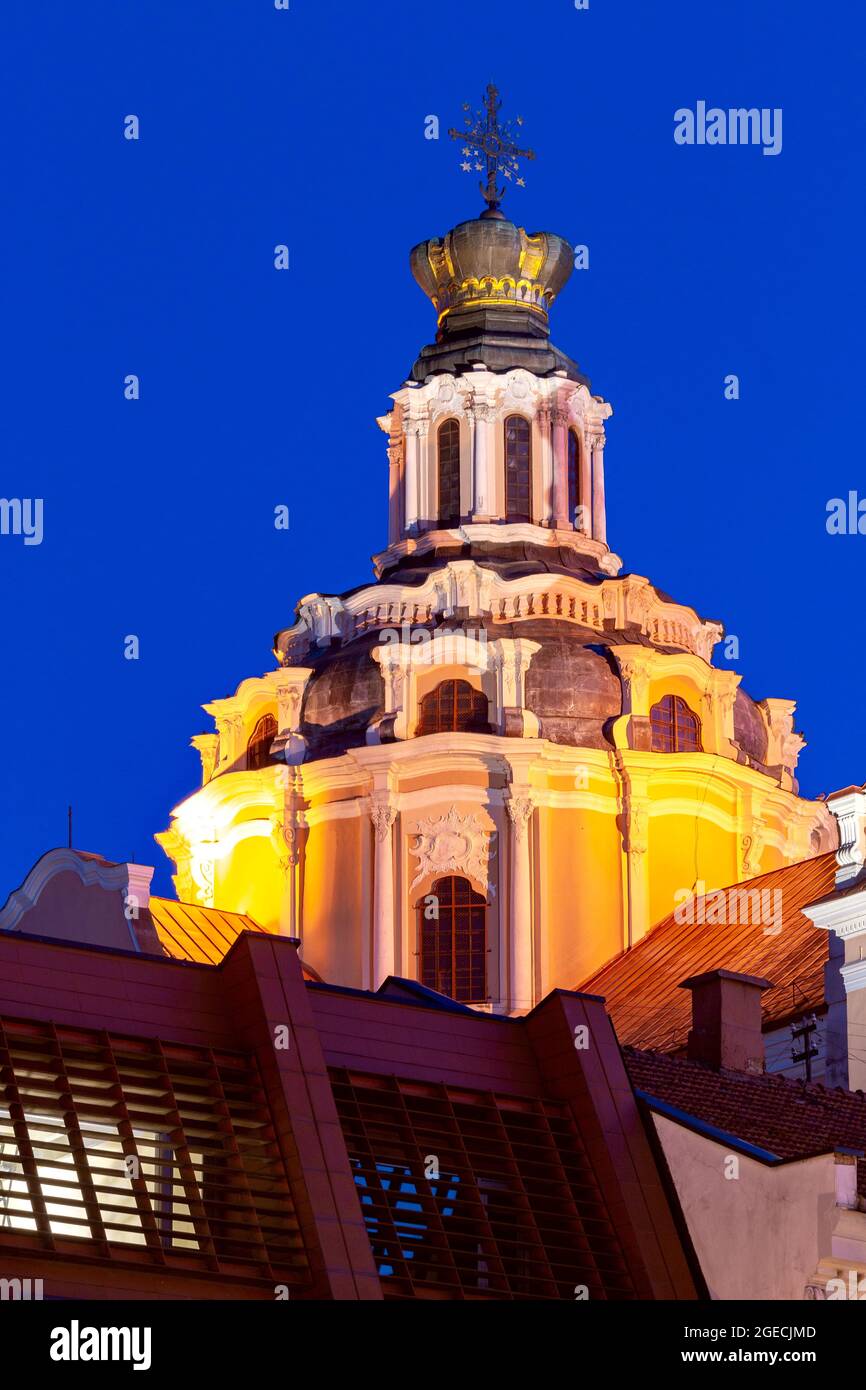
(726, 1020)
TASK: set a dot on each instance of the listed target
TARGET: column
(289, 833)
(482, 498)
(289, 744)
(467, 474)
(511, 658)
(585, 497)
(425, 466)
(395, 460)
(599, 523)
(383, 814)
(636, 847)
(520, 810)
(231, 738)
(410, 477)
(546, 509)
(561, 518)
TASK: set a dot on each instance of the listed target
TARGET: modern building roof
(230, 1127)
(641, 986)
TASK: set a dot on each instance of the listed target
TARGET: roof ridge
(730, 1074)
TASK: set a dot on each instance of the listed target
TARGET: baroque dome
(500, 704)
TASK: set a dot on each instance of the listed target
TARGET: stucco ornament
(453, 844)
(752, 845)
(383, 816)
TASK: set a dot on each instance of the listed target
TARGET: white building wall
(758, 1235)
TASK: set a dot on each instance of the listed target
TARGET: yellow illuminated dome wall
(498, 764)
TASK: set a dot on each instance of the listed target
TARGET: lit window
(454, 707)
(518, 469)
(454, 942)
(259, 746)
(449, 473)
(675, 727)
(131, 1142)
(574, 498)
(63, 1169)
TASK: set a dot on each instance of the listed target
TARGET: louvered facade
(179, 1130)
(475, 1195)
(150, 1152)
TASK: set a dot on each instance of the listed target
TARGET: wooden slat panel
(207, 1184)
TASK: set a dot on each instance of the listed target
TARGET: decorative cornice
(849, 808)
(519, 389)
(844, 915)
(498, 533)
(482, 592)
(854, 976)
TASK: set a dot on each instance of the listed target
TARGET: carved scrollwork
(520, 810)
(453, 844)
(752, 847)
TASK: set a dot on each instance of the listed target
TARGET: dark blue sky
(261, 127)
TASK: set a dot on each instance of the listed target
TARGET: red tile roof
(791, 1119)
(641, 986)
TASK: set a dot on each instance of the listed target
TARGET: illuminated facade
(500, 762)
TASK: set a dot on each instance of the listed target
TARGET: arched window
(259, 746)
(452, 932)
(574, 498)
(448, 441)
(518, 469)
(675, 727)
(454, 707)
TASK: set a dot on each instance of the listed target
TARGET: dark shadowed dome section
(749, 729)
(571, 687)
(342, 698)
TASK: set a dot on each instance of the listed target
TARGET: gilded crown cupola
(496, 440)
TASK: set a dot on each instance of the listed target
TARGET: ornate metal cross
(485, 139)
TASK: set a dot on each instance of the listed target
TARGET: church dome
(502, 712)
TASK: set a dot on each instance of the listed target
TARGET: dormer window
(675, 727)
(454, 707)
(518, 469)
(259, 745)
(448, 442)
